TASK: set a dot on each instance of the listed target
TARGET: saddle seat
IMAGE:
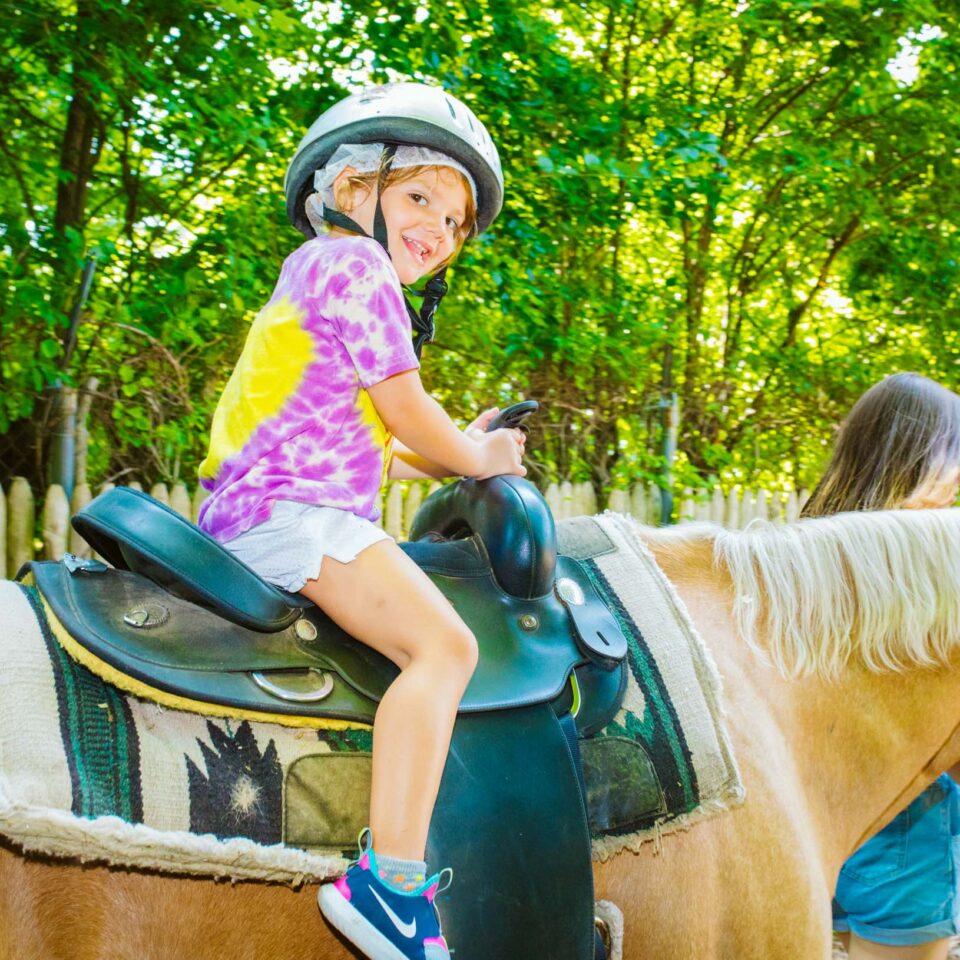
(179, 619)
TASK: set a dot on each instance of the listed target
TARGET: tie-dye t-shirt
(294, 421)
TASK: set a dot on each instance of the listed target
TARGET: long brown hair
(902, 434)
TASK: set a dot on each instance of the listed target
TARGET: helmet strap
(379, 223)
(341, 220)
(423, 320)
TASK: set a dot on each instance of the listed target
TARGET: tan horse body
(824, 763)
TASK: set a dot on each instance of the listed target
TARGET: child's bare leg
(384, 599)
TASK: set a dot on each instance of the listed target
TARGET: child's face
(423, 216)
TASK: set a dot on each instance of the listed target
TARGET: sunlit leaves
(744, 188)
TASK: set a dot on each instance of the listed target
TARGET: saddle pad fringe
(111, 840)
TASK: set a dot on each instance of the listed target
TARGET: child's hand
(479, 426)
(502, 453)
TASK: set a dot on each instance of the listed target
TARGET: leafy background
(749, 205)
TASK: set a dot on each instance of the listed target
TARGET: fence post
(702, 506)
(733, 509)
(56, 513)
(393, 512)
(199, 495)
(716, 505)
(638, 502)
(687, 508)
(552, 496)
(20, 523)
(619, 501)
(411, 505)
(3, 536)
(75, 543)
(82, 442)
(180, 499)
(583, 500)
(160, 492)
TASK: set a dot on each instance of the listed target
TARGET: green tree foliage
(751, 204)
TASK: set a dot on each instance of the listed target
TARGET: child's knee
(462, 646)
(449, 646)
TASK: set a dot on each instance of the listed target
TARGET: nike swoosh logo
(405, 929)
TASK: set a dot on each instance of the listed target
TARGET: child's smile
(421, 251)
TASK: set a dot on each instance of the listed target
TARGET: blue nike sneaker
(383, 922)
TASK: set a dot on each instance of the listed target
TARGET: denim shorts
(901, 886)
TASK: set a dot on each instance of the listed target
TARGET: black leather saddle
(181, 615)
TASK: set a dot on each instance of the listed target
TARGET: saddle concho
(551, 671)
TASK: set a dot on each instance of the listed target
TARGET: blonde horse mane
(882, 586)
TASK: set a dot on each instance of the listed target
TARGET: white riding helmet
(400, 113)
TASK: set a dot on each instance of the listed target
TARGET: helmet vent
(453, 113)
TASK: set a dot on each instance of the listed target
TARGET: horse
(838, 643)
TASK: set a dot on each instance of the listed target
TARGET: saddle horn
(511, 520)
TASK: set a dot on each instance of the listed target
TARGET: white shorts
(287, 549)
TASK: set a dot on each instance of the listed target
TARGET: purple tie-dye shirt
(294, 421)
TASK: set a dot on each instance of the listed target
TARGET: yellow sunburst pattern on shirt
(275, 356)
(380, 437)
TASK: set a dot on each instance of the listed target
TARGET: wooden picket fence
(401, 500)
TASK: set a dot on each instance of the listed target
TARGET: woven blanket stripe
(98, 733)
(657, 725)
(688, 688)
(30, 732)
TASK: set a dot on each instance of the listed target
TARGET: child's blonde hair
(901, 435)
(345, 194)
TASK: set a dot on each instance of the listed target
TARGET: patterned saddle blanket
(105, 775)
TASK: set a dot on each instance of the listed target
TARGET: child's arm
(422, 427)
(407, 465)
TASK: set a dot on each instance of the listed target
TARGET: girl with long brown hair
(897, 896)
